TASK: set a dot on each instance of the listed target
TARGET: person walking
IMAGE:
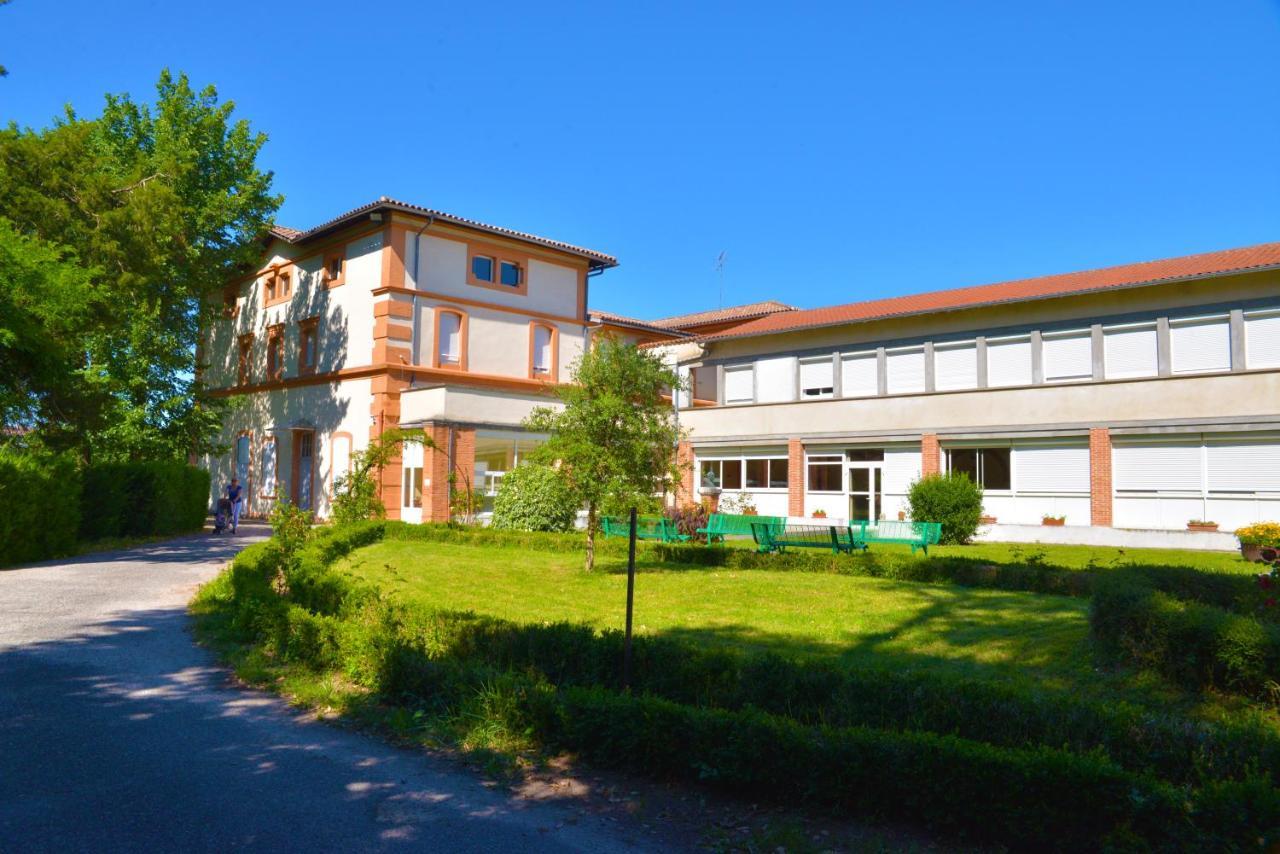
(235, 493)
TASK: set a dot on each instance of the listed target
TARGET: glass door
(866, 491)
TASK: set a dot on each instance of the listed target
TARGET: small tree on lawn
(357, 495)
(615, 438)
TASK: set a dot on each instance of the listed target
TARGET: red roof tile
(609, 317)
(719, 315)
(291, 235)
(1264, 255)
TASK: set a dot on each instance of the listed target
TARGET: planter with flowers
(1054, 521)
(1256, 537)
(819, 514)
(1202, 525)
(986, 520)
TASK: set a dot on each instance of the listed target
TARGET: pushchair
(222, 518)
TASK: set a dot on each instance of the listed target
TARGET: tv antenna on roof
(720, 259)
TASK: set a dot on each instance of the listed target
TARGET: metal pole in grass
(631, 592)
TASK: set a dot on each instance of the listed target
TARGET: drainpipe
(417, 319)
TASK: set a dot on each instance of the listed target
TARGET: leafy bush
(952, 499)
(142, 499)
(533, 497)
(1195, 644)
(39, 507)
(689, 519)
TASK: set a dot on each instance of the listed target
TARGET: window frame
(499, 256)
(747, 367)
(1222, 321)
(436, 361)
(980, 465)
(275, 357)
(742, 460)
(552, 374)
(244, 359)
(837, 460)
(331, 280)
(271, 286)
(1086, 335)
(275, 465)
(823, 392)
(308, 331)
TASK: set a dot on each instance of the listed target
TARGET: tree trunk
(591, 535)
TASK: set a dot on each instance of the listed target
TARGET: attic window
(334, 268)
(509, 274)
(482, 268)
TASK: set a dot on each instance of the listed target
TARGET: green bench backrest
(926, 532)
(733, 523)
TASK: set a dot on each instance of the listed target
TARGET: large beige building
(1142, 396)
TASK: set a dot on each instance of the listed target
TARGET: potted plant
(986, 520)
(742, 504)
(1202, 525)
(1256, 537)
(1054, 521)
(819, 513)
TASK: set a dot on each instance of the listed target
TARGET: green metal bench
(779, 538)
(647, 528)
(720, 525)
(918, 535)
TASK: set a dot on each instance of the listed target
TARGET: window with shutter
(738, 383)
(905, 370)
(449, 339)
(859, 375)
(269, 468)
(1243, 466)
(340, 465)
(542, 351)
(1262, 339)
(1068, 356)
(1129, 351)
(1008, 362)
(955, 366)
(1157, 467)
(775, 379)
(1200, 345)
(1052, 468)
(817, 378)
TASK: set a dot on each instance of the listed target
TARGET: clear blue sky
(835, 151)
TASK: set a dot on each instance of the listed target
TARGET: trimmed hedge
(1195, 644)
(39, 507)
(142, 499)
(930, 748)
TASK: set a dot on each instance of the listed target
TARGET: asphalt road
(118, 733)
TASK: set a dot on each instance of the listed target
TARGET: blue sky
(834, 151)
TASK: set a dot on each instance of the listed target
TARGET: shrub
(39, 507)
(689, 519)
(142, 499)
(533, 497)
(952, 499)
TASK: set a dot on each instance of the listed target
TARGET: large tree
(162, 204)
(615, 438)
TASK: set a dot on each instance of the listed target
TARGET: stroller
(222, 518)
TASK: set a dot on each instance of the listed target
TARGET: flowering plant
(1260, 534)
(1269, 582)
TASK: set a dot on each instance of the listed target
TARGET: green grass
(867, 622)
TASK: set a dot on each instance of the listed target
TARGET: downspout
(417, 319)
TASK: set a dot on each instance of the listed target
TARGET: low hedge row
(142, 499)
(1035, 795)
(1192, 643)
(39, 507)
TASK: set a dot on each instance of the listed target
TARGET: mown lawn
(862, 621)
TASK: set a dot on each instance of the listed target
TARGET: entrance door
(866, 491)
(304, 444)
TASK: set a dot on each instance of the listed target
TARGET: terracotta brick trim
(795, 477)
(1100, 499)
(930, 455)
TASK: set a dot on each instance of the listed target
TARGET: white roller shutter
(817, 378)
(776, 380)
(1262, 339)
(738, 382)
(905, 370)
(955, 366)
(340, 465)
(859, 375)
(1051, 468)
(901, 467)
(1242, 466)
(1130, 351)
(268, 473)
(1158, 466)
(1200, 345)
(1068, 356)
(1008, 362)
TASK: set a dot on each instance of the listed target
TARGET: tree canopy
(135, 218)
(615, 437)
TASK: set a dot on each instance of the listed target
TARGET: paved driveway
(118, 733)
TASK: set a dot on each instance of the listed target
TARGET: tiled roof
(1264, 255)
(291, 235)
(622, 320)
(719, 315)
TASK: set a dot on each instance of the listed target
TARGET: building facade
(1143, 396)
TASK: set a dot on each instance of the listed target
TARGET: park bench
(778, 538)
(647, 528)
(720, 525)
(918, 535)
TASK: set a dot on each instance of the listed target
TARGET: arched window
(451, 339)
(543, 340)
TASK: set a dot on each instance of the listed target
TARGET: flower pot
(1251, 552)
(902, 515)
(1206, 528)
(750, 512)
(1053, 523)
(986, 520)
